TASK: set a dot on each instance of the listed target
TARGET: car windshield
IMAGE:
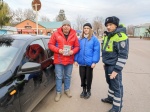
(8, 53)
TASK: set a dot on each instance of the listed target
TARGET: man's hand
(113, 75)
(71, 52)
(93, 65)
(61, 51)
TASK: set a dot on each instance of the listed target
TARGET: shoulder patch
(123, 44)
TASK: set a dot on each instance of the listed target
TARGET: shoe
(88, 94)
(111, 110)
(67, 92)
(83, 94)
(107, 100)
(57, 97)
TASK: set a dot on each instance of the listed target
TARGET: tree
(98, 26)
(130, 30)
(45, 18)
(80, 22)
(20, 15)
(61, 16)
(29, 14)
(1, 4)
(4, 15)
(148, 32)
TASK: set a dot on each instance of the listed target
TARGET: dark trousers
(115, 91)
(86, 75)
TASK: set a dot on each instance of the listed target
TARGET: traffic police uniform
(114, 55)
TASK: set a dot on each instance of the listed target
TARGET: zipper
(84, 51)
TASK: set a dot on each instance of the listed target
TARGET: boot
(83, 94)
(67, 92)
(111, 110)
(107, 100)
(57, 97)
(88, 94)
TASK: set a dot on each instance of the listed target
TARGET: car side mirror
(30, 67)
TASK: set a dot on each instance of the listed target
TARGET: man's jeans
(63, 71)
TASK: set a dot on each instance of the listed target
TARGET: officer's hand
(104, 66)
(93, 65)
(113, 75)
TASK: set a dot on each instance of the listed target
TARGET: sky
(130, 12)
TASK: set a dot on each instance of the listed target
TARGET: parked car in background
(26, 72)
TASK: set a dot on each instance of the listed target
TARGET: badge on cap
(123, 44)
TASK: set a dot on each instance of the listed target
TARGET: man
(64, 43)
(104, 35)
(114, 55)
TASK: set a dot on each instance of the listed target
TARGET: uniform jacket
(58, 40)
(89, 51)
(115, 49)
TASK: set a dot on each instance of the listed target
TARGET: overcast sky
(129, 11)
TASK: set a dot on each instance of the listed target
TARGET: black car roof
(24, 36)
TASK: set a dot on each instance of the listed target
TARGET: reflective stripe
(110, 95)
(117, 104)
(117, 99)
(110, 91)
(122, 60)
(120, 64)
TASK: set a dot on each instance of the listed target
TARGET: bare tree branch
(44, 18)
(98, 26)
(80, 21)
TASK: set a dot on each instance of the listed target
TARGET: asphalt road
(136, 81)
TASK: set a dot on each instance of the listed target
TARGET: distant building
(8, 30)
(44, 28)
(141, 30)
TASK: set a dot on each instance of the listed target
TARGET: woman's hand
(75, 63)
(93, 65)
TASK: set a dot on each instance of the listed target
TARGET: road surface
(136, 81)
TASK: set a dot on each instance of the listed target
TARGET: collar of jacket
(118, 30)
(72, 31)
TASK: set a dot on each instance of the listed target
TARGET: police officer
(114, 56)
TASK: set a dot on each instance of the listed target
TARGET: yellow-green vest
(116, 38)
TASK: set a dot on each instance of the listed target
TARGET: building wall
(29, 27)
(140, 31)
(3, 32)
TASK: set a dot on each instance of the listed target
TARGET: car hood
(5, 76)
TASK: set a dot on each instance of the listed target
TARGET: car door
(34, 85)
(9, 61)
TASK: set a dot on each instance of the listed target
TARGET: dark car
(26, 72)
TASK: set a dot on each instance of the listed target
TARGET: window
(8, 54)
(28, 27)
(35, 52)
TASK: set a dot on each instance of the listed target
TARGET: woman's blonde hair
(90, 33)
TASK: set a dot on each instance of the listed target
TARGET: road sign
(36, 5)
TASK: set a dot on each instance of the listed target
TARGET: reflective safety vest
(109, 42)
